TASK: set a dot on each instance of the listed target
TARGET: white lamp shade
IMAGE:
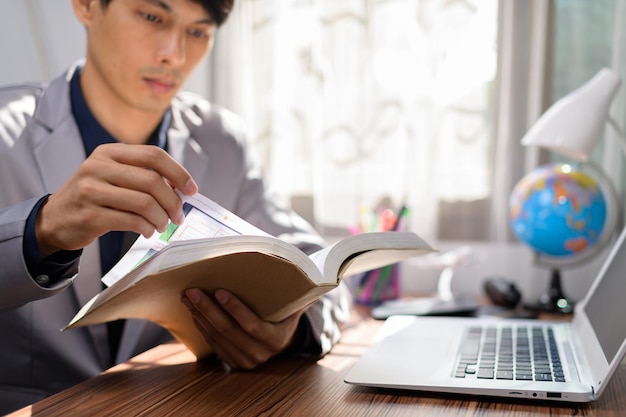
(574, 124)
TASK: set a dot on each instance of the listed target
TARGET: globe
(566, 213)
(558, 210)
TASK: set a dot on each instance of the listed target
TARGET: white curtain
(358, 103)
(354, 102)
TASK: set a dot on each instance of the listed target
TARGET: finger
(274, 336)
(152, 157)
(245, 351)
(131, 206)
(125, 221)
(78, 224)
(249, 321)
(145, 192)
(229, 353)
(225, 348)
(224, 354)
(74, 238)
(123, 174)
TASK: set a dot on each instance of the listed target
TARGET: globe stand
(553, 300)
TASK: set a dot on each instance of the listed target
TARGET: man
(98, 152)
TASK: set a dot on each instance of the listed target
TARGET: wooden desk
(166, 381)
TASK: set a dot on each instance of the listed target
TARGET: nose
(171, 50)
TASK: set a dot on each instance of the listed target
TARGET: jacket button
(42, 280)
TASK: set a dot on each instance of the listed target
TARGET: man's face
(142, 51)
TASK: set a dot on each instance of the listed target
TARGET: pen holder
(378, 285)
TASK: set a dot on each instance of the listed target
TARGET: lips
(160, 85)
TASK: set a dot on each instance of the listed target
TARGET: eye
(198, 33)
(151, 18)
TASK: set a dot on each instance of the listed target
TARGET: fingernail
(191, 187)
(221, 297)
(193, 296)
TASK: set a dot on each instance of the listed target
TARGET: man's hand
(238, 336)
(119, 187)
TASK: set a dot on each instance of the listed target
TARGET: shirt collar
(92, 132)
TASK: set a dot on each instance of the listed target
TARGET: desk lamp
(572, 127)
(574, 124)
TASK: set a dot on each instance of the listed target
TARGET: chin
(154, 106)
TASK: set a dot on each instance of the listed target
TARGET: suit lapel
(59, 151)
(181, 144)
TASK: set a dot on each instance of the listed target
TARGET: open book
(215, 249)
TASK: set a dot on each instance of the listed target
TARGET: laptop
(574, 360)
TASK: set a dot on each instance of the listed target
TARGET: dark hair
(218, 9)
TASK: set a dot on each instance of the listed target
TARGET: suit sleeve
(17, 287)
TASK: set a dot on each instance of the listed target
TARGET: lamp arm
(620, 133)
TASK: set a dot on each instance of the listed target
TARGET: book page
(363, 252)
(203, 218)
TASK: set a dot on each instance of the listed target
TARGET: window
(358, 104)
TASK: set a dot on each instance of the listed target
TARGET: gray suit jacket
(40, 148)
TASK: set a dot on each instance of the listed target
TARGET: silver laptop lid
(600, 318)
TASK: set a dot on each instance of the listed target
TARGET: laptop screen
(606, 307)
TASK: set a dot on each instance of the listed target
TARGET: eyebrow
(166, 7)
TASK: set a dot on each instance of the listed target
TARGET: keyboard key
(520, 352)
(504, 375)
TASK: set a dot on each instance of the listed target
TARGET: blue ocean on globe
(558, 210)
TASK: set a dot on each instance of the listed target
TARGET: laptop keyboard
(510, 353)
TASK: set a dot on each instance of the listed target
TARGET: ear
(85, 10)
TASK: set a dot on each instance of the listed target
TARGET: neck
(125, 123)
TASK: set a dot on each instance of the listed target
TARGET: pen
(402, 213)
